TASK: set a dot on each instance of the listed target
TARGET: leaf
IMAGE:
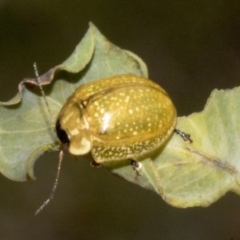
(184, 174)
(196, 174)
(26, 129)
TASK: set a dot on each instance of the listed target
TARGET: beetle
(116, 118)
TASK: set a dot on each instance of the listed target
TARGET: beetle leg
(95, 164)
(183, 135)
(136, 166)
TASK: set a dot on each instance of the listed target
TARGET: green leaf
(196, 174)
(25, 125)
(184, 174)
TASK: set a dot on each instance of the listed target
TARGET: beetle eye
(62, 135)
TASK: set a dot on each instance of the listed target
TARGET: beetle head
(72, 129)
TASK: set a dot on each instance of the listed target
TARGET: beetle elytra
(116, 118)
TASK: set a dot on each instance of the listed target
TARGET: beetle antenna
(60, 153)
(42, 91)
(54, 186)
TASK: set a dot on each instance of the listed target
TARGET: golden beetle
(116, 118)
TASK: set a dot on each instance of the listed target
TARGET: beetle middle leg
(136, 167)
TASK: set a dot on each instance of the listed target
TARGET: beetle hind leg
(183, 135)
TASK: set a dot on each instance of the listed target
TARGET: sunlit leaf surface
(185, 174)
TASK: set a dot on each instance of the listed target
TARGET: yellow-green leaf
(197, 174)
(184, 174)
(26, 129)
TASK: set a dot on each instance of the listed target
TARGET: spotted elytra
(116, 118)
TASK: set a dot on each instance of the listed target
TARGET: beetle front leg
(95, 164)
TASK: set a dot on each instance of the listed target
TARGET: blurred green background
(190, 47)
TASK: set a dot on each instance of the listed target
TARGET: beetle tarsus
(183, 135)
